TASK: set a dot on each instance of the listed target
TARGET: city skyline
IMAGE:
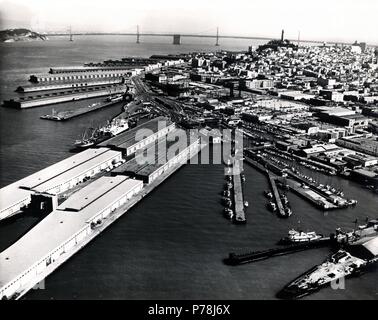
(337, 21)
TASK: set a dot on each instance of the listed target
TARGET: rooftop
(75, 171)
(58, 227)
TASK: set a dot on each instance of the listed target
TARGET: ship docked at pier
(97, 135)
(339, 265)
(357, 251)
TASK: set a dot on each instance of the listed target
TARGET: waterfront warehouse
(78, 93)
(62, 233)
(56, 178)
(130, 141)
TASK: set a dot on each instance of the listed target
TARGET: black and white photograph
(189, 151)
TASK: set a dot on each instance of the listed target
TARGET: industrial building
(77, 93)
(139, 137)
(76, 69)
(85, 75)
(184, 148)
(62, 233)
(57, 85)
(361, 143)
(55, 179)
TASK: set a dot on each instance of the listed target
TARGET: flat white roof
(58, 168)
(58, 227)
(372, 246)
(76, 171)
(12, 194)
(91, 193)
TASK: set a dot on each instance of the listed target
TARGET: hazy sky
(338, 20)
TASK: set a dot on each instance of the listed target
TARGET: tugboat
(300, 237)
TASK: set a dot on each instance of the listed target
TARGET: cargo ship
(98, 135)
(339, 265)
(350, 260)
(115, 127)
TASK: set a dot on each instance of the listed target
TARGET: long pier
(276, 194)
(238, 199)
(304, 188)
(94, 223)
(66, 115)
(237, 259)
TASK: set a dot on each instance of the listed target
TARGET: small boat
(288, 212)
(268, 194)
(229, 213)
(225, 200)
(226, 193)
(271, 206)
(300, 237)
(246, 204)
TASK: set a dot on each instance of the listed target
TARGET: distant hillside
(11, 35)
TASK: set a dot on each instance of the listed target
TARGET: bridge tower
(138, 35)
(299, 38)
(217, 38)
(176, 39)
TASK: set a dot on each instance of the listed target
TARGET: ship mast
(71, 39)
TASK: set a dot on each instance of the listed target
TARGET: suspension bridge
(176, 37)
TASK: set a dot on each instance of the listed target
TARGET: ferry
(300, 237)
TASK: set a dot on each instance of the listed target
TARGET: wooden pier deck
(276, 194)
(66, 115)
(238, 198)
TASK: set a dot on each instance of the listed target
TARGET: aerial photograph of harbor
(198, 150)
